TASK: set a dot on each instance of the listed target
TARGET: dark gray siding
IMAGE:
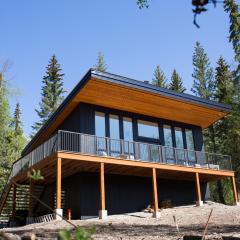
(124, 194)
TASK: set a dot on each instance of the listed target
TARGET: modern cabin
(116, 145)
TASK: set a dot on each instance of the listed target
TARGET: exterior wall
(82, 120)
(124, 194)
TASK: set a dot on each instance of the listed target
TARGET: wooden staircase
(21, 200)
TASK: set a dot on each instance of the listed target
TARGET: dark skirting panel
(124, 194)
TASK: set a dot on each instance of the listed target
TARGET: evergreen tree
(176, 83)
(159, 78)
(203, 85)
(11, 142)
(100, 65)
(224, 82)
(52, 93)
(231, 7)
(16, 121)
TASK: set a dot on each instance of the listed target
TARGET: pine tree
(6, 140)
(100, 65)
(159, 78)
(203, 85)
(16, 121)
(52, 92)
(231, 7)
(224, 82)
(176, 83)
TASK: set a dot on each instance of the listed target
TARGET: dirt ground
(225, 221)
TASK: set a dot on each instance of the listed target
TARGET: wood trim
(198, 188)
(135, 163)
(102, 187)
(234, 189)
(155, 192)
(59, 183)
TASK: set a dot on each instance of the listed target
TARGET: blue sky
(133, 41)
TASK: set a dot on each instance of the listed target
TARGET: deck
(67, 153)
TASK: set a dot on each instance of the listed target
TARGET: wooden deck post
(234, 189)
(30, 206)
(58, 210)
(102, 211)
(155, 194)
(14, 202)
(199, 201)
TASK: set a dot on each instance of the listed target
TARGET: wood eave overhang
(129, 88)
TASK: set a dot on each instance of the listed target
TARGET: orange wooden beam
(102, 188)
(59, 183)
(155, 192)
(235, 194)
(136, 163)
(198, 189)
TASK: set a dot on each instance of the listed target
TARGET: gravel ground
(225, 221)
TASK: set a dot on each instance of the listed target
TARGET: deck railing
(73, 142)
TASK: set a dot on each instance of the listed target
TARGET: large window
(179, 153)
(100, 132)
(189, 139)
(190, 145)
(178, 137)
(127, 129)
(167, 131)
(114, 126)
(100, 129)
(128, 137)
(115, 145)
(148, 129)
(168, 151)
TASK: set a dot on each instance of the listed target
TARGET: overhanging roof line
(163, 91)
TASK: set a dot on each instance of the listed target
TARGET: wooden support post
(59, 183)
(30, 206)
(14, 201)
(102, 211)
(199, 201)
(59, 210)
(155, 193)
(234, 189)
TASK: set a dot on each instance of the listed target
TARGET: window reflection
(148, 129)
(128, 137)
(100, 132)
(168, 150)
(180, 157)
(190, 145)
(115, 146)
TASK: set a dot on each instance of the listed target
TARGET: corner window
(148, 129)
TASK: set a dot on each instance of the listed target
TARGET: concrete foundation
(156, 214)
(102, 214)
(58, 214)
(199, 203)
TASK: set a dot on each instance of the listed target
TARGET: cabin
(116, 145)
